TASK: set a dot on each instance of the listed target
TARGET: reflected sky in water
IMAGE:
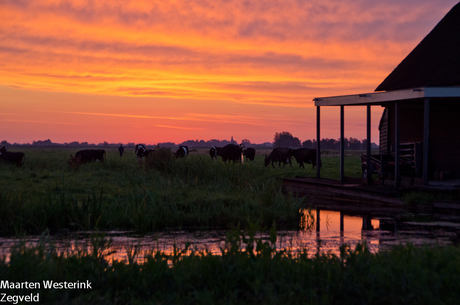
(379, 233)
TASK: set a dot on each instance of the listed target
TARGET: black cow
(213, 152)
(249, 153)
(278, 154)
(182, 151)
(231, 152)
(11, 157)
(304, 155)
(89, 155)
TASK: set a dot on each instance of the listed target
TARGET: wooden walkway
(350, 191)
(355, 195)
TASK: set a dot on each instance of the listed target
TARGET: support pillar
(317, 219)
(341, 222)
(342, 144)
(397, 142)
(367, 223)
(368, 148)
(318, 143)
(426, 139)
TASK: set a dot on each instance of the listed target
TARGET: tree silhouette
(285, 139)
(245, 142)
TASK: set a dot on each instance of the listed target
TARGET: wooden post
(369, 163)
(341, 222)
(317, 219)
(426, 139)
(365, 223)
(318, 242)
(397, 141)
(342, 145)
(318, 142)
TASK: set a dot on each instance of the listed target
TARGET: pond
(379, 232)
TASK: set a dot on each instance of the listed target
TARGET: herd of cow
(230, 152)
(236, 153)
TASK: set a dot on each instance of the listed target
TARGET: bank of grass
(121, 194)
(248, 271)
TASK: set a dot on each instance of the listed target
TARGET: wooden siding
(411, 122)
(444, 146)
(445, 138)
(383, 128)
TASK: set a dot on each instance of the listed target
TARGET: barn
(420, 123)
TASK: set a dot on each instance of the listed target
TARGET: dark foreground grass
(120, 194)
(249, 271)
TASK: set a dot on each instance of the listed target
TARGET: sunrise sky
(156, 71)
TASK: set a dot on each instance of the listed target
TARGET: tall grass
(248, 271)
(120, 193)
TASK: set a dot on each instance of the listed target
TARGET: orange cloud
(269, 55)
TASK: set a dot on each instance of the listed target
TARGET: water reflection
(333, 230)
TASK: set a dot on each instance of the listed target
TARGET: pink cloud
(269, 56)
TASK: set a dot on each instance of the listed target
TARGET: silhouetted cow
(304, 155)
(249, 153)
(213, 152)
(182, 151)
(11, 157)
(278, 154)
(231, 152)
(141, 151)
(89, 155)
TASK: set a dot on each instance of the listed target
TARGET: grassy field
(195, 192)
(46, 193)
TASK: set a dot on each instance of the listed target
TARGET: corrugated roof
(435, 61)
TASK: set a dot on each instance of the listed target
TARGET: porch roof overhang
(378, 98)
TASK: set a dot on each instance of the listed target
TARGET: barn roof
(434, 62)
(379, 98)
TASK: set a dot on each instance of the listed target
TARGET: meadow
(46, 193)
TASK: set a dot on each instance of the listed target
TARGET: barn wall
(445, 137)
(390, 136)
(383, 130)
(444, 146)
(410, 121)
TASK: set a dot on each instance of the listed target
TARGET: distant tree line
(70, 144)
(214, 142)
(190, 143)
(286, 139)
(281, 139)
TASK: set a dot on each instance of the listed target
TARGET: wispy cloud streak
(102, 46)
(190, 117)
(225, 57)
(39, 122)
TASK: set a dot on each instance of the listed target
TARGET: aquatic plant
(248, 271)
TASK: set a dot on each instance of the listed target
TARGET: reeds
(248, 271)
